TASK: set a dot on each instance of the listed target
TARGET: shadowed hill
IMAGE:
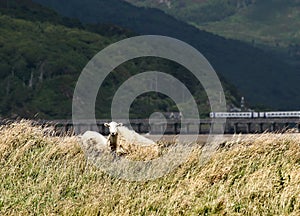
(260, 77)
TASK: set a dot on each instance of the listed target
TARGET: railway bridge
(175, 126)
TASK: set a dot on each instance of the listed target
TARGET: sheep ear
(120, 124)
(106, 124)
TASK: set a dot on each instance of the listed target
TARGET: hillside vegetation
(272, 23)
(43, 54)
(44, 175)
(258, 75)
(40, 63)
(41, 57)
(198, 11)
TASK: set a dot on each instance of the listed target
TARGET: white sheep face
(113, 127)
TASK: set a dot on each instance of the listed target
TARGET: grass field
(249, 175)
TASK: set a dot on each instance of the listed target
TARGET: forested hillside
(260, 77)
(42, 55)
(39, 66)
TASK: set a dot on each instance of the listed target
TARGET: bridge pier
(176, 130)
(261, 127)
(286, 126)
(187, 125)
(139, 130)
(217, 127)
(248, 127)
(235, 127)
(273, 127)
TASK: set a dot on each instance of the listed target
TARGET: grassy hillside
(257, 175)
(272, 23)
(197, 11)
(257, 74)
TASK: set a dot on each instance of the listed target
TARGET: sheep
(111, 140)
(127, 142)
(93, 142)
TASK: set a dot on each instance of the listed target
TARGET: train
(273, 114)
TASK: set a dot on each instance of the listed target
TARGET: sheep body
(93, 141)
(131, 143)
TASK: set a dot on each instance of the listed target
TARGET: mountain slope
(260, 77)
(268, 22)
(198, 11)
(41, 59)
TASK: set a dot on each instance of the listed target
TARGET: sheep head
(113, 127)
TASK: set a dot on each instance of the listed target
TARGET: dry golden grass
(44, 175)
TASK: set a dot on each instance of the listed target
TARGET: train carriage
(275, 114)
(283, 114)
(233, 114)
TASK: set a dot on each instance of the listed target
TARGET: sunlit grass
(252, 175)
